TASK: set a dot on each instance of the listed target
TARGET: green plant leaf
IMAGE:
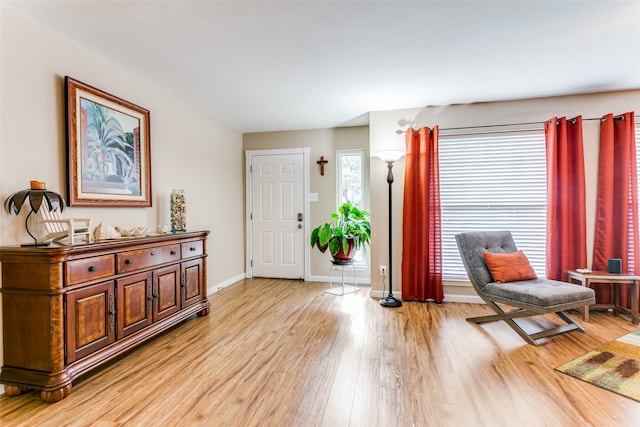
(334, 246)
(325, 234)
(315, 236)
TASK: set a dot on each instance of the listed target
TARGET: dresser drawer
(136, 260)
(84, 270)
(190, 249)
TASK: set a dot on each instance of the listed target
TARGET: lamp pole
(390, 156)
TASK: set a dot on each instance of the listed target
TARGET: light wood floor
(284, 353)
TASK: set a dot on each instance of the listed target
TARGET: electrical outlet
(383, 270)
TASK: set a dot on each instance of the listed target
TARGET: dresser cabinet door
(135, 303)
(192, 283)
(90, 320)
(166, 291)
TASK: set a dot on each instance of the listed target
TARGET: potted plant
(349, 231)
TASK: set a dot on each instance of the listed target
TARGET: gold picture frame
(108, 148)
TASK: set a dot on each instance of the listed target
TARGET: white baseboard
(219, 286)
(374, 293)
(467, 299)
(360, 280)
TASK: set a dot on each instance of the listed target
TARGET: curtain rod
(620, 117)
(514, 124)
(492, 132)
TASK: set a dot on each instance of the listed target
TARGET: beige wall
(194, 152)
(384, 124)
(189, 150)
(321, 142)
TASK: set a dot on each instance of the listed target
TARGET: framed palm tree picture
(108, 147)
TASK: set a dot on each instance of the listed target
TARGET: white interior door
(277, 215)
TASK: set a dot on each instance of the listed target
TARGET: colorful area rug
(614, 366)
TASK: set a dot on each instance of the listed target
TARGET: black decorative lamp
(36, 194)
(390, 156)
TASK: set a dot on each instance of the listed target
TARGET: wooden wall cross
(322, 162)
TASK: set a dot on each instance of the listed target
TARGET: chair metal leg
(508, 317)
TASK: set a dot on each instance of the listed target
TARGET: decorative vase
(343, 257)
(178, 211)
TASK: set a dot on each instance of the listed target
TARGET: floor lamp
(390, 156)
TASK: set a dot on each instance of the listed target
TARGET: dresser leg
(55, 395)
(11, 390)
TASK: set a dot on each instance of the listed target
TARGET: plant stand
(344, 288)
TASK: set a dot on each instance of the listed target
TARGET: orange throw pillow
(509, 267)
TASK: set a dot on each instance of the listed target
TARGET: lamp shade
(38, 196)
(390, 156)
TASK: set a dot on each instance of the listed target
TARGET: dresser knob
(128, 261)
(192, 249)
(93, 268)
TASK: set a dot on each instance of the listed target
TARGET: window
(631, 260)
(637, 127)
(493, 182)
(350, 182)
(351, 178)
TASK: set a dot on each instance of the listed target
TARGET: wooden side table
(615, 279)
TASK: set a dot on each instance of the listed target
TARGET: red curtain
(566, 213)
(616, 234)
(422, 222)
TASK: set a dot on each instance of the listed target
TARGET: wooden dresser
(68, 309)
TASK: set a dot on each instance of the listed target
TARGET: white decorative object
(58, 228)
(105, 232)
(134, 232)
(178, 211)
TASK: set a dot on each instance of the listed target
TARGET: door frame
(249, 198)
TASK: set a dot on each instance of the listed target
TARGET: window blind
(628, 265)
(493, 182)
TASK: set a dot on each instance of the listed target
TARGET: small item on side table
(614, 265)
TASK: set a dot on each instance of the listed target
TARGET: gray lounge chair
(528, 297)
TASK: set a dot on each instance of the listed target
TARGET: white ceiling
(281, 65)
